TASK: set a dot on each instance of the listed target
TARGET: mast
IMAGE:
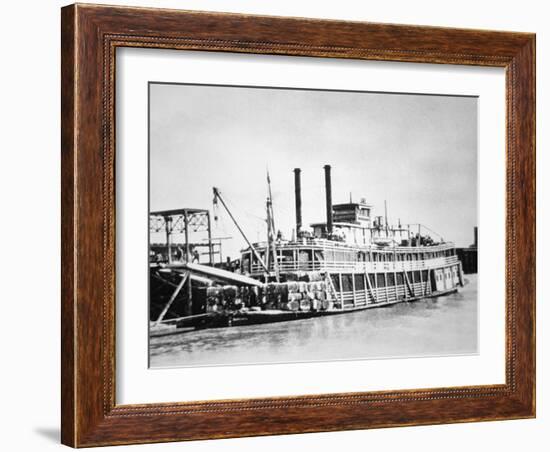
(272, 246)
(328, 194)
(268, 223)
(298, 200)
(386, 215)
(217, 196)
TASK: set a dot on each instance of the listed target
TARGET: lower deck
(311, 295)
(351, 290)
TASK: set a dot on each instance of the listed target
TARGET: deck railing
(331, 245)
(368, 267)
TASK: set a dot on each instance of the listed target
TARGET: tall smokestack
(475, 236)
(298, 197)
(328, 190)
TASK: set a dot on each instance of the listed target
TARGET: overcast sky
(418, 152)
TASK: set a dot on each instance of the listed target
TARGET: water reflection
(437, 326)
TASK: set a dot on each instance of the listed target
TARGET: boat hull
(244, 318)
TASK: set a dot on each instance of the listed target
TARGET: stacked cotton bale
(293, 303)
(315, 277)
(230, 292)
(214, 299)
(231, 295)
(319, 291)
(305, 303)
(219, 298)
(305, 296)
(289, 296)
(274, 294)
(316, 303)
(250, 296)
(292, 286)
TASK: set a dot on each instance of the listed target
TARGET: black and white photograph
(295, 225)
(261, 226)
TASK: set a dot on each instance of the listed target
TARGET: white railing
(323, 244)
(368, 267)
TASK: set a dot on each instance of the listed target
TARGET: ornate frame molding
(90, 37)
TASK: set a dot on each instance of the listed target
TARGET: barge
(352, 261)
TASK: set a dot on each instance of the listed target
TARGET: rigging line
(429, 229)
(250, 215)
(222, 226)
(242, 211)
(258, 197)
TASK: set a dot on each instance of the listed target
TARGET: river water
(441, 326)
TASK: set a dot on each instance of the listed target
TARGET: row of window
(376, 280)
(304, 255)
(316, 255)
(400, 257)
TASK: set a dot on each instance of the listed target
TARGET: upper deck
(354, 242)
(322, 255)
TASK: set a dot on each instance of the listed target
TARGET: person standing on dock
(196, 256)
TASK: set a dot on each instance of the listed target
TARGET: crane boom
(217, 195)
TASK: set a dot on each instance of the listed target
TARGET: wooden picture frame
(90, 35)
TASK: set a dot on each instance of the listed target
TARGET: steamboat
(352, 261)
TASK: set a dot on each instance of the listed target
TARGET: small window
(336, 282)
(359, 282)
(347, 283)
(246, 263)
(304, 256)
(371, 279)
